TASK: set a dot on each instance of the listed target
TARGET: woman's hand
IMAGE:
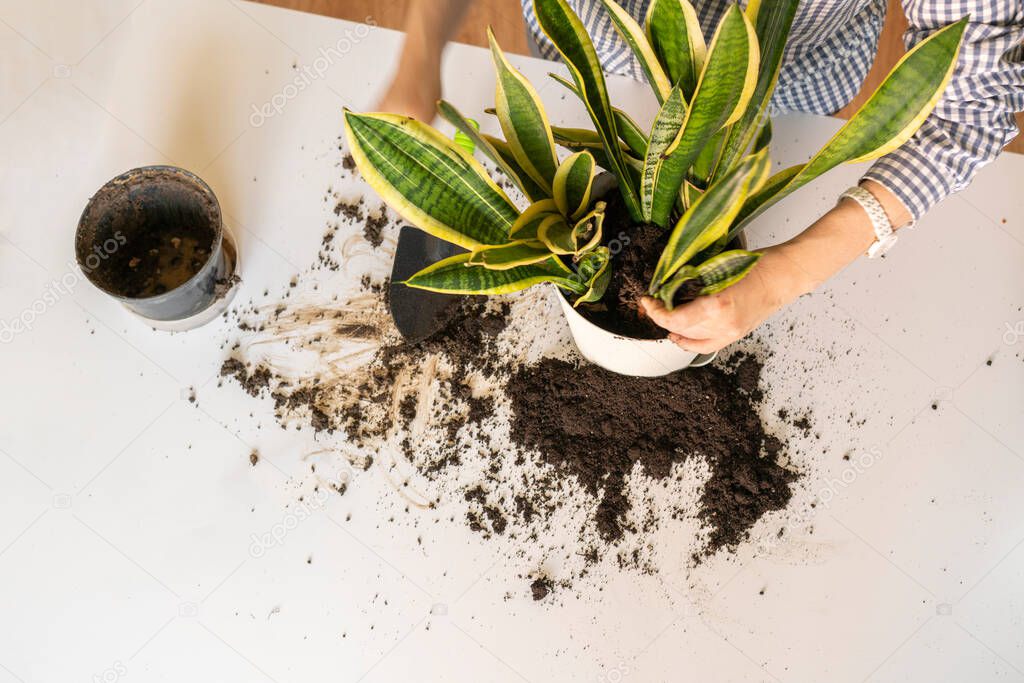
(709, 323)
(783, 273)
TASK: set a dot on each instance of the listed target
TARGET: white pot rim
(627, 355)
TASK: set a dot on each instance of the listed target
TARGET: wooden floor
(505, 17)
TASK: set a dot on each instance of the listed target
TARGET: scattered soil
(583, 427)
(650, 424)
(522, 446)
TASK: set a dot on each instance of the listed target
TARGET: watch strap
(885, 236)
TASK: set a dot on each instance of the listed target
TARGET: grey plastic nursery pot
(153, 239)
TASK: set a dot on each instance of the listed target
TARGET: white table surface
(127, 514)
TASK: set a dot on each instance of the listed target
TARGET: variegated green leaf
(725, 270)
(454, 276)
(767, 194)
(588, 230)
(633, 35)
(663, 133)
(531, 189)
(515, 173)
(556, 233)
(573, 183)
(722, 94)
(689, 193)
(772, 21)
(570, 38)
(429, 180)
(764, 136)
(594, 269)
(675, 36)
(529, 221)
(708, 219)
(505, 256)
(704, 165)
(523, 120)
(667, 292)
(888, 119)
(629, 132)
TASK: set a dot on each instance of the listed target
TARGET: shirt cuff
(917, 180)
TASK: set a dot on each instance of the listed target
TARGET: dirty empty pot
(153, 239)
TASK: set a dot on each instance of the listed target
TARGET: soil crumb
(540, 588)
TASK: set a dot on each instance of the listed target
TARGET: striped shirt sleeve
(974, 119)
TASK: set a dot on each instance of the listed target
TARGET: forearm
(429, 25)
(832, 242)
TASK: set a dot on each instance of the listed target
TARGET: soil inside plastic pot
(160, 259)
(619, 310)
(150, 234)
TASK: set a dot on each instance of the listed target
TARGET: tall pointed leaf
(889, 118)
(663, 133)
(514, 172)
(722, 94)
(708, 220)
(675, 36)
(429, 180)
(629, 132)
(570, 38)
(631, 32)
(523, 120)
(455, 276)
(772, 22)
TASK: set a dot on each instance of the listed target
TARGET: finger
(679, 319)
(695, 345)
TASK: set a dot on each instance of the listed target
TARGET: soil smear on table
(522, 443)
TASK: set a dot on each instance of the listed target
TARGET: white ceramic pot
(625, 355)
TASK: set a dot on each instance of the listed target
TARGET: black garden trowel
(418, 313)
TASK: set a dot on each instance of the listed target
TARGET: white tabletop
(127, 514)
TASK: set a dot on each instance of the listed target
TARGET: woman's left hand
(711, 322)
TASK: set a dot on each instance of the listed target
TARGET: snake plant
(701, 171)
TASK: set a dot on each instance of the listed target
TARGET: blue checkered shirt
(831, 48)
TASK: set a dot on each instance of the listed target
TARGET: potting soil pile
(497, 424)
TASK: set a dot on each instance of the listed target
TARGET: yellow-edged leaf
(428, 179)
(634, 36)
(505, 256)
(523, 120)
(676, 38)
(454, 276)
(573, 183)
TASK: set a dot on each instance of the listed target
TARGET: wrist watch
(885, 237)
